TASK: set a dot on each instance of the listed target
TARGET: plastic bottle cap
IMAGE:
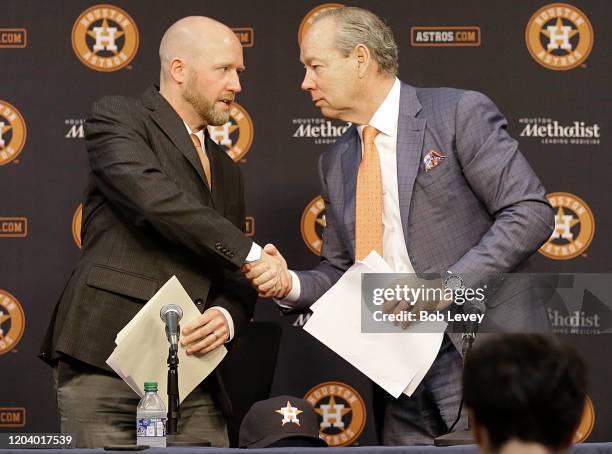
(150, 386)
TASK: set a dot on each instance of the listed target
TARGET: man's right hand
(269, 275)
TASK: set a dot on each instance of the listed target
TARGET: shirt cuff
(228, 317)
(289, 301)
(254, 253)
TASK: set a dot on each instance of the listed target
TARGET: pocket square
(432, 159)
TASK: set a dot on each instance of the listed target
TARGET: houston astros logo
(574, 227)
(309, 18)
(587, 422)
(290, 414)
(105, 38)
(12, 322)
(76, 225)
(559, 36)
(313, 223)
(12, 132)
(341, 410)
(236, 136)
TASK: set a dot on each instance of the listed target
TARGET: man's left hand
(207, 332)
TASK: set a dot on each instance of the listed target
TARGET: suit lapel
(171, 124)
(410, 132)
(350, 158)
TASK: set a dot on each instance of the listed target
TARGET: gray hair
(359, 26)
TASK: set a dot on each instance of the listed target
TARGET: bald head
(201, 62)
(192, 38)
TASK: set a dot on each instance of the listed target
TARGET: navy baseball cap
(280, 421)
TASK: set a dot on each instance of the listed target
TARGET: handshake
(269, 275)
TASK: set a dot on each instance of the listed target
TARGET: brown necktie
(369, 202)
(203, 158)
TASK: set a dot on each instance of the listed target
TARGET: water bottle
(151, 418)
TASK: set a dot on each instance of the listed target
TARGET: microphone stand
(174, 438)
(173, 393)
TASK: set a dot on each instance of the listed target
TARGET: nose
(234, 83)
(308, 82)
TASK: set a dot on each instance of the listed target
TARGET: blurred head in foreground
(524, 394)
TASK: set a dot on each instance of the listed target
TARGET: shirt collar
(385, 117)
(200, 134)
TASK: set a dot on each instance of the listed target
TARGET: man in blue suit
(452, 196)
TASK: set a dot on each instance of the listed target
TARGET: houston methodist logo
(559, 36)
(309, 18)
(236, 136)
(13, 132)
(574, 227)
(313, 223)
(12, 322)
(341, 410)
(105, 38)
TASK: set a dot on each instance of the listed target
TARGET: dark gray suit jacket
(481, 211)
(148, 215)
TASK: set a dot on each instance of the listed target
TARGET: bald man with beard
(162, 200)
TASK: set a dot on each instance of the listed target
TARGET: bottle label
(151, 427)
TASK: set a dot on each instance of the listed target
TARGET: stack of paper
(397, 362)
(142, 348)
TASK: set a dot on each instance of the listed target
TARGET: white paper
(397, 362)
(142, 348)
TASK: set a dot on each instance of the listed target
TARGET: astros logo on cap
(290, 414)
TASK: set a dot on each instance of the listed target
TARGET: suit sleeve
(335, 257)
(128, 173)
(232, 291)
(503, 180)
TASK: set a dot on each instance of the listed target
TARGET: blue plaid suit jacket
(481, 210)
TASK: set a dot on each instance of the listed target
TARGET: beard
(204, 107)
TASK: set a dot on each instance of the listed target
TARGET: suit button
(218, 246)
(231, 255)
(199, 302)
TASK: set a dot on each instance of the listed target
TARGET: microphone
(171, 315)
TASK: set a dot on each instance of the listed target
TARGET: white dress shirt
(254, 253)
(395, 252)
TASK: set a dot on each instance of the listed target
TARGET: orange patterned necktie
(203, 158)
(369, 202)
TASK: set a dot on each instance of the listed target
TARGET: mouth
(227, 102)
